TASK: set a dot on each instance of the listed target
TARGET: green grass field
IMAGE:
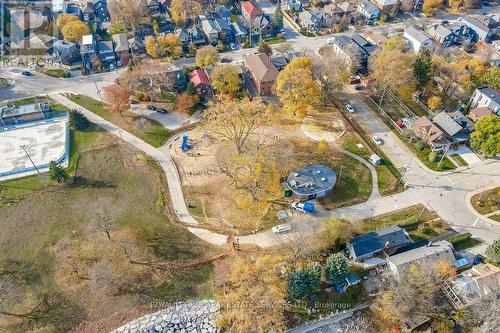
(148, 130)
(57, 259)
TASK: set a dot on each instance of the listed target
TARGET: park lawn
(51, 232)
(386, 172)
(486, 202)
(420, 223)
(145, 129)
(354, 183)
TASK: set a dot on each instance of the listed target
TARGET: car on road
(377, 140)
(349, 108)
(152, 107)
(283, 31)
(133, 101)
(358, 87)
(277, 229)
(161, 110)
(26, 73)
(233, 46)
(225, 60)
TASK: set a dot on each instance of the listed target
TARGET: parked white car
(349, 108)
(377, 140)
(277, 229)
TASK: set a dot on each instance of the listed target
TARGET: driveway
(170, 120)
(467, 154)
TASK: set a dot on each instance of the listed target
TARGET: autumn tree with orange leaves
(116, 98)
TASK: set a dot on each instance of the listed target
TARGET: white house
(486, 97)
(417, 39)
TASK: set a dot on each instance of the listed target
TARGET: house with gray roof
(353, 53)
(262, 25)
(385, 240)
(197, 36)
(210, 29)
(183, 36)
(417, 39)
(225, 31)
(311, 20)
(486, 97)
(421, 257)
(120, 44)
(66, 52)
(456, 133)
(240, 32)
(442, 35)
(106, 54)
(368, 10)
(477, 29)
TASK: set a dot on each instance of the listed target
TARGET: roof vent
(323, 179)
(296, 174)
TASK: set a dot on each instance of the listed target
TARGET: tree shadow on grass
(81, 181)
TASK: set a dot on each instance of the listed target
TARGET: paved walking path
(443, 192)
(165, 161)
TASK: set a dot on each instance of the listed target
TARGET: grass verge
(486, 202)
(419, 222)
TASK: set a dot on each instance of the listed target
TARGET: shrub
(57, 173)
(297, 284)
(433, 157)
(78, 121)
(419, 145)
(493, 252)
(335, 269)
(425, 229)
(141, 96)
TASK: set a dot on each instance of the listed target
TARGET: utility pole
(29, 157)
(97, 88)
(444, 154)
(407, 167)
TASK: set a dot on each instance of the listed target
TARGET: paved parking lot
(171, 120)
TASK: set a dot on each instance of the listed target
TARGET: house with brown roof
(263, 72)
(430, 133)
(478, 113)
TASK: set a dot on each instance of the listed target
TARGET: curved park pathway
(446, 191)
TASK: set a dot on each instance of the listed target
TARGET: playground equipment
(185, 146)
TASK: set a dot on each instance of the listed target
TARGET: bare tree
(236, 121)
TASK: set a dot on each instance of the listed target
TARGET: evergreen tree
(297, 284)
(313, 271)
(335, 269)
(422, 69)
(56, 172)
(278, 18)
(191, 89)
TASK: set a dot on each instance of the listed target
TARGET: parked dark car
(26, 73)
(161, 110)
(152, 107)
(225, 60)
(133, 101)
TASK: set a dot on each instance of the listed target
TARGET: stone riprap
(185, 317)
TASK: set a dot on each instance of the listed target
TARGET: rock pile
(185, 317)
